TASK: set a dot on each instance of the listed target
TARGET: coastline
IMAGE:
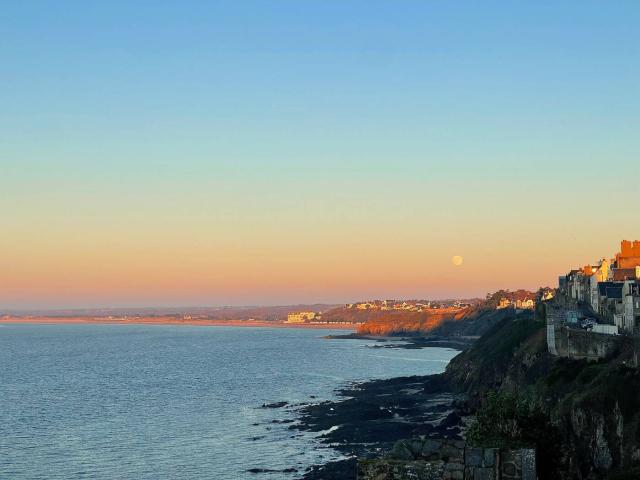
(371, 416)
(365, 420)
(170, 321)
(409, 342)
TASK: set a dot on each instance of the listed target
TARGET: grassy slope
(596, 406)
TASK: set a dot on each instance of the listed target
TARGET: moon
(457, 260)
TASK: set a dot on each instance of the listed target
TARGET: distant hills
(255, 312)
(375, 317)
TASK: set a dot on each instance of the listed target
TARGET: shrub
(508, 420)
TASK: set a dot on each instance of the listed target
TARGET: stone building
(630, 318)
(600, 274)
(629, 256)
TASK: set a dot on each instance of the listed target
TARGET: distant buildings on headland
(303, 317)
(609, 287)
(315, 318)
(408, 305)
(359, 312)
(520, 300)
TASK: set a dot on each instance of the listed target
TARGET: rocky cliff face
(594, 407)
(469, 322)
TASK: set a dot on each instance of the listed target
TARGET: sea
(90, 401)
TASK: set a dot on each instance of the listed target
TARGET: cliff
(471, 321)
(468, 322)
(587, 413)
(408, 323)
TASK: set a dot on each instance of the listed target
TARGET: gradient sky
(243, 152)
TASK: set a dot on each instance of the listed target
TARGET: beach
(166, 320)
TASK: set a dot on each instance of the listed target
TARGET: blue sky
(361, 80)
(315, 116)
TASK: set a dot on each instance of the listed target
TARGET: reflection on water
(148, 402)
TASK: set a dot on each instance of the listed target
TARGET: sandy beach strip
(169, 321)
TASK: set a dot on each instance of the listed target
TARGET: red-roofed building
(622, 274)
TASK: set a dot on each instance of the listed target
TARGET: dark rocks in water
(275, 405)
(374, 415)
(268, 470)
(451, 420)
(413, 342)
(347, 336)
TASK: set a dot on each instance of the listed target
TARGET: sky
(278, 152)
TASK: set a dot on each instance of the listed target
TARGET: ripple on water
(148, 402)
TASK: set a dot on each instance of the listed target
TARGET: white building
(301, 317)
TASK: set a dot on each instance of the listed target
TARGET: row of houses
(406, 305)
(526, 304)
(519, 299)
(610, 287)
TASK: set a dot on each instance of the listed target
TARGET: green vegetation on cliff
(510, 420)
(583, 417)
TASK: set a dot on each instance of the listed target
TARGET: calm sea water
(164, 402)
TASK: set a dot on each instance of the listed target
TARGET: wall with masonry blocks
(431, 459)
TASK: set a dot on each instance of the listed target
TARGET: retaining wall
(429, 459)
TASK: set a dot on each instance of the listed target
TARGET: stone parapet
(446, 459)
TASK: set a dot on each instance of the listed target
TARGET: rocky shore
(372, 416)
(580, 418)
(410, 342)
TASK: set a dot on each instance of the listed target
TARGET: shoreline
(369, 417)
(409, 342)
(365, 419)
(170, 321)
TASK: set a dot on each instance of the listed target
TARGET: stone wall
(581, 344)
(566, 341)
(431, 459)
(387, 469)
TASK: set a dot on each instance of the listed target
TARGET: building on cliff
(520, 300)
(301, 317)
(623, 274)
(600, 274)
(608, 290)
(630, 319)
(629, 256)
